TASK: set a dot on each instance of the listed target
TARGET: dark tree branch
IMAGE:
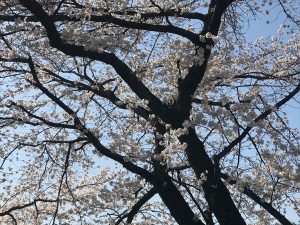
(100, 91)
(152, 15)
(109, 58)
(216, 193)
(108, 18)
(171, 196)
(44, 121)
(12, 209)
(188, 85)
(267, 206)
(137, 206)
(215, 12)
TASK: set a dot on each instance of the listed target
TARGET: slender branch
(287, 13)
(262, 116)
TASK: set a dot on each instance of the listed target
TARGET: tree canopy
(148, 112)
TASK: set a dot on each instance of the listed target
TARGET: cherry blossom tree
(147, 112)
